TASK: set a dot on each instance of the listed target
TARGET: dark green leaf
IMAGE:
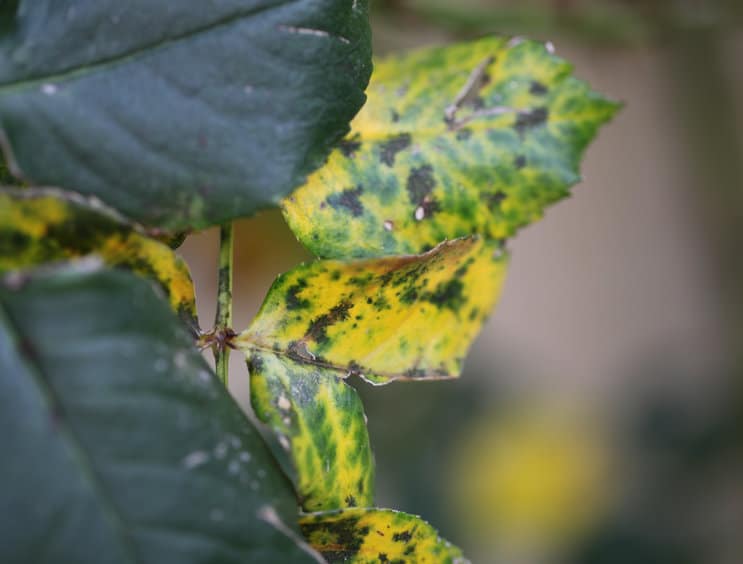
(180, 114)
(119, 445)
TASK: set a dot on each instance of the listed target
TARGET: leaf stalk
(223, 320)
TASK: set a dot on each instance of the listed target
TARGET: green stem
(223, 321)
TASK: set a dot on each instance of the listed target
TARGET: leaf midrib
(148, 49)
(246, 341)
(77, 452)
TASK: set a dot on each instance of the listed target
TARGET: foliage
(472, 138)
(123, 442)
(150, 122)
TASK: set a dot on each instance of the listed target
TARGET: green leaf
(368, 536)
(320, 420)
(180, 115)
(120, 445)
(5, 177)
(473, 138)
(38, 226)
(397, 318)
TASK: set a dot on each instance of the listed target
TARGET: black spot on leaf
(349, 146)
(348, 538)
(420, 184)
(494, 200)
(464, 134)
(404, 536)
(348, 199)
(381, 303)
(317, 331)
(409, 295)
(538, 89)
(529, 120)
(389, 149)
(448, 295)
(293, 301)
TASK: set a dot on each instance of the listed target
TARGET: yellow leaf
(397, 318)
(370, 536)
(38, 226)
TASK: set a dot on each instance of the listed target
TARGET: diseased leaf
(121, 446)
(38, 226)
(371, 536)
(472, 138)
(179, 115)
(397, 318)
(320, 420)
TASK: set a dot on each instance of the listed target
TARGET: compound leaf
(320, 420)
(472, 138)
(184, 115)
(38, 226)
(121, 445)
(370, 536)
(396, 318)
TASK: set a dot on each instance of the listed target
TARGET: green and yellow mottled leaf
(472, 138)
(366, 536)
(396, 318)
(38, 226)
(320, 420)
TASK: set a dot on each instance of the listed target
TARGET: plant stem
(223, 321)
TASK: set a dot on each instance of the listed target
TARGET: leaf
(473, 138)
(397, 318)
(320, 420)
(43, 225)
(180, 117)
(121, 445)
(5, 177)
(377, 535)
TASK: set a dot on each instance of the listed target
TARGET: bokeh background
(600, 416)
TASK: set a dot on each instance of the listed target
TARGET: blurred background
(600, 416)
